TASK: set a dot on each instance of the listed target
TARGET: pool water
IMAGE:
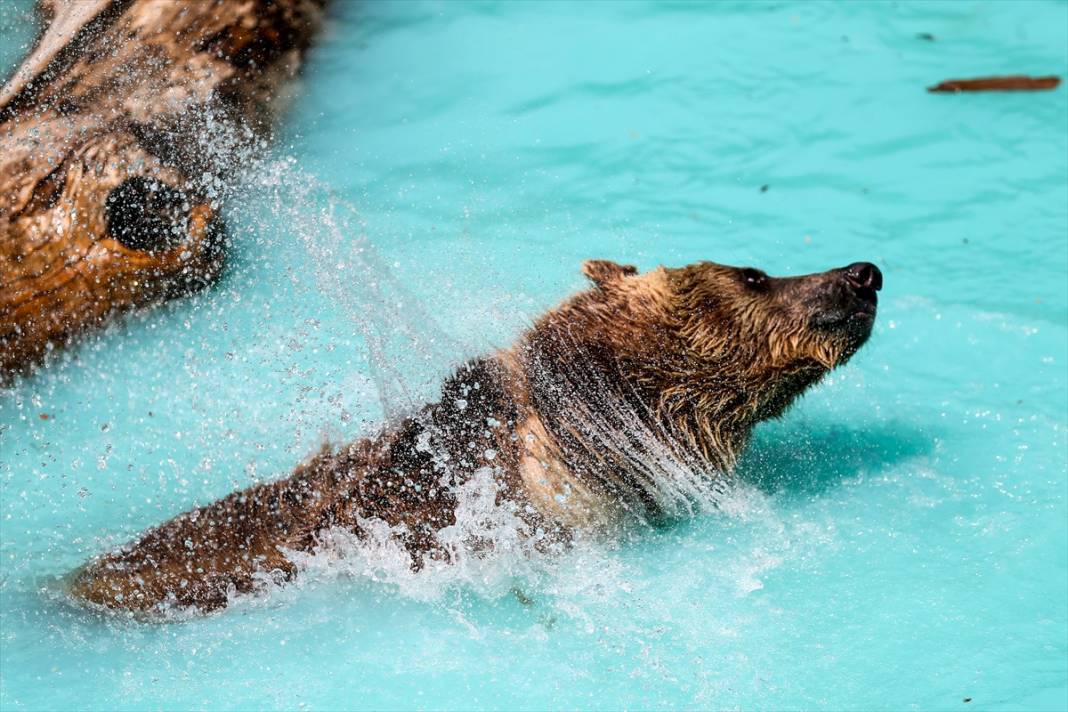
(898, 541)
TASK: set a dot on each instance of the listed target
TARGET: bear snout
(845, 297)
(864, 275)
(863, 280)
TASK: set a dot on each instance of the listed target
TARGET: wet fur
(673, 366)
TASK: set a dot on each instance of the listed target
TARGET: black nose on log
(146, 214)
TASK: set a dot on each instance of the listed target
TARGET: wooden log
(1008, 83)
(117, 136)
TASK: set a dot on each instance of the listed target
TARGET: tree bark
(118, 135)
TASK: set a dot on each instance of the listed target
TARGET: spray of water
(407, 350)
(490, 548)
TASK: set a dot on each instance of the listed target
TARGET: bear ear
(602, 272)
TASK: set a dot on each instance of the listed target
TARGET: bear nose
(864, 275)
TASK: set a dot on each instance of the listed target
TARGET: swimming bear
(625, 402)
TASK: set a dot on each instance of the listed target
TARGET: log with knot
(118, 136)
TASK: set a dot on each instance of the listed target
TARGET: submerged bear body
(627, 401)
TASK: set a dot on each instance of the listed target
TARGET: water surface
(900, 538)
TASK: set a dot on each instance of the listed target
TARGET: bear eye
(754, 278)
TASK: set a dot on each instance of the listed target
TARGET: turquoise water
(899, 540)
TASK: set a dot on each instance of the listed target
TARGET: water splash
(408, 351)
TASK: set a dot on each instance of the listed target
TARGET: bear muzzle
(848, 298)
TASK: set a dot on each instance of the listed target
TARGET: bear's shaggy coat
(581, 423)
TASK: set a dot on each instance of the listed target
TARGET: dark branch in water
(1008, 83)
(118, 136)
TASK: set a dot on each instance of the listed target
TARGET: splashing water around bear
(626, 405)
(489, 547)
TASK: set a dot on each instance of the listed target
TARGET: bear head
(699, 353)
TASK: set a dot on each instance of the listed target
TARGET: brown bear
(629, 401)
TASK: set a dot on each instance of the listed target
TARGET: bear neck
(593, 374)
